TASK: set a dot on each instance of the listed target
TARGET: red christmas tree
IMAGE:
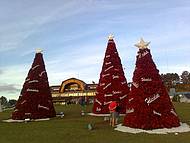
(148, 104)
(112, 83)
(35, 101)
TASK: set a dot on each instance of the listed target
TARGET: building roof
(187, 95)
(83, 86)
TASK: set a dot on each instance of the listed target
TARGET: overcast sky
(73, 35)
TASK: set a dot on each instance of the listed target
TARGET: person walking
(112, 109)
(117, 110)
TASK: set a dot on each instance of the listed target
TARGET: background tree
(185, 77)
(4, 101)
(170, 79)
(12, 102)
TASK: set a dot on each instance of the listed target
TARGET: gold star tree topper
(39, 50)
(110, 37)
(142, 44)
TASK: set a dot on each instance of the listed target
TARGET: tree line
(7, 103)
(175, 80)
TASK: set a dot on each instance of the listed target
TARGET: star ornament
(110, 37)
(142, 44)
(39, 50)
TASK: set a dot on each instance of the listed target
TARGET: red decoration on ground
(148, 104)
(35, 101)
(112, 83)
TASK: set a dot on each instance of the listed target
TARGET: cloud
(14, 75)
(32, 21)
(1, 71)
(10, 88)
(173, 69)
(73, 35)
(12, 78)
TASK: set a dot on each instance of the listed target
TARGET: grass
(73, 129)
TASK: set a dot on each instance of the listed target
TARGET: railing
(68, 94)
(178, 93)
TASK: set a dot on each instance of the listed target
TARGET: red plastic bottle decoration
(148, 104)
(112, 83)
(35, 101)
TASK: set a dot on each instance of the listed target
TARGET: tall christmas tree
(35, 101)
(112, 83)
(148, 104)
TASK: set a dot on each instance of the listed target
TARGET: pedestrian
(112, 107)
(117, 110)
(83, 104)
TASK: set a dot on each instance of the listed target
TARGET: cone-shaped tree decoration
(148, 104)
(112, 83)
(35, 101)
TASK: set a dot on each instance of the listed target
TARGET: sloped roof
(187, 95)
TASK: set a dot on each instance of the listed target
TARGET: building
(71, 89)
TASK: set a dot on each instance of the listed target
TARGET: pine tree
(112, 83)
(35, 101)
(148, 104)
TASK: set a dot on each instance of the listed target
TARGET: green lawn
(73, 129)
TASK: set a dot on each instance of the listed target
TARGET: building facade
(71, 89)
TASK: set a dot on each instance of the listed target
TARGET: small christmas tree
(112, 83)
(148, 104)
(35, 101)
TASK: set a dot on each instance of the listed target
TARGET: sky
(73, 35)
